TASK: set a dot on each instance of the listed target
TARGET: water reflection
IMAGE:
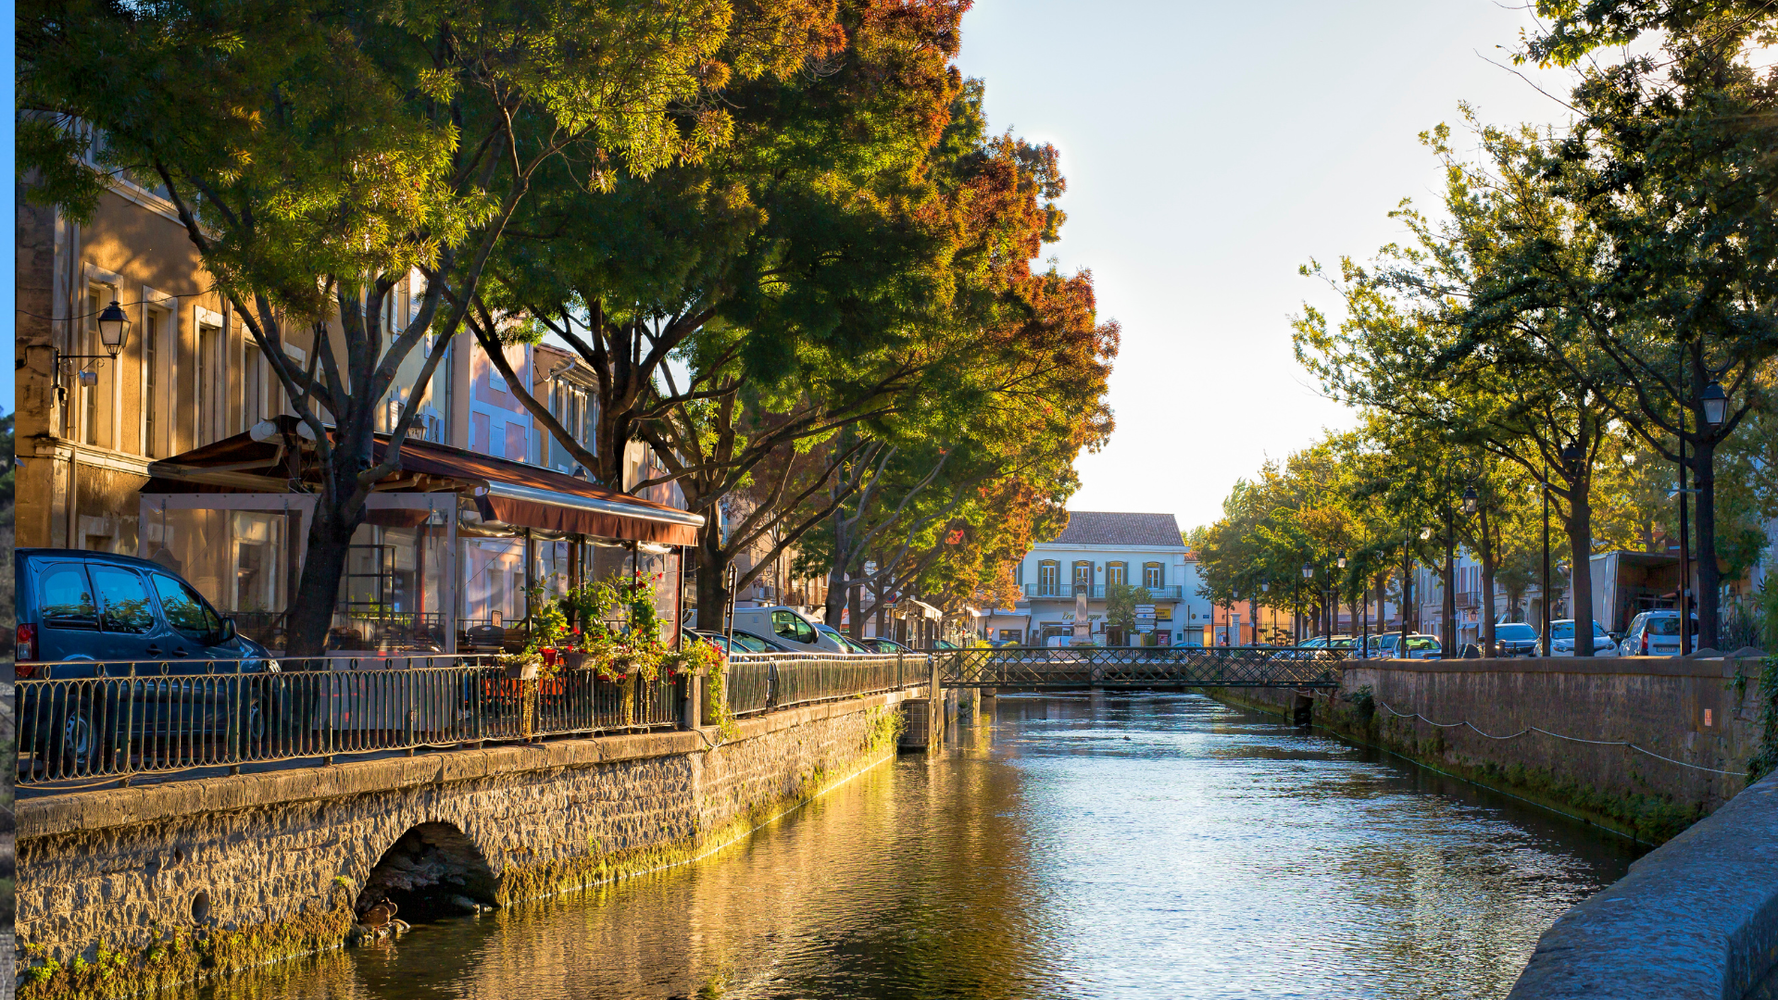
(1149, 846)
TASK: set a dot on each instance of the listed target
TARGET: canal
(1147, 846)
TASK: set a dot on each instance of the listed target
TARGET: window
(252, 400)
(204, 414)
(123, 598)
(1117, 573)
(792, 627)
(1049, 578)
(185, 610)
(1154, 575)
(1083, 576)
(90, 418)
(65, 600)
(151, 380)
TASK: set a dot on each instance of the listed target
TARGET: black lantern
(1342, 560)
(1308, 572)
(1469, 500)
(1716, 404)
(1571, 456)
(114, 328)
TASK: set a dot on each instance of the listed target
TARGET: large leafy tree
(317, 155)
(1671, 161)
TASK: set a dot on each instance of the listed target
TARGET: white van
(792, 627)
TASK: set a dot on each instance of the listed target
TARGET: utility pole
(1685, 550)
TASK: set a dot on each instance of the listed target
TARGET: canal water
(1148, 846)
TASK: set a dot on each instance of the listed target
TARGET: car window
(65, 600)
(748, 644)
(185, 610)
(1422, 642)
(1520, 631)
(792, 627)
(1562, 630)
(1663, 626)
(123, 597)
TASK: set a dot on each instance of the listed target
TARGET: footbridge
(1138, 667)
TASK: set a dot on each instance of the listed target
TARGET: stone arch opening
(432, 871)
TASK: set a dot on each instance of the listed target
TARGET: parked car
(1654, 633)
(1422, 647)
(1562, 639)
(847, 643)
(882, 645)
(795, 629)
(94, 616)
(1517, 639)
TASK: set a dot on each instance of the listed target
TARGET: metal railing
(85, 723)
(1141, 666)
(758, 682)
(1067, 591)
(85, 719)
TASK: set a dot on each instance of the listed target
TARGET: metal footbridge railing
(1135, 667)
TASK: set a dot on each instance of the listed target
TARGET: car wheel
(82, 749)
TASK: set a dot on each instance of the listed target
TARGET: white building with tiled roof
(1100, 549)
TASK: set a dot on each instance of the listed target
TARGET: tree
(1671, 161)
(319, 155)
(1121, 600)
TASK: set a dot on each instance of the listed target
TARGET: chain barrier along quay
(1658, 749)
(175, 825)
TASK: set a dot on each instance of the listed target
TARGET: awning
(509, 492)
(926, 610)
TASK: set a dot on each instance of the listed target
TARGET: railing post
(692, 711)
(936, 699)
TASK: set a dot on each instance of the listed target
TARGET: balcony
(1067, 591)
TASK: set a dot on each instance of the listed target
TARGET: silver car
(1654, 633)
(1562, 639)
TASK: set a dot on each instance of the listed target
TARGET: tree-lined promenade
(1587, 320)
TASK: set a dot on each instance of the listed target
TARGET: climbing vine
(1765, 759)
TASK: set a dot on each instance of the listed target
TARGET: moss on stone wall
(184, 955)
(1647, 817)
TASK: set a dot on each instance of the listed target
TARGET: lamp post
(1308, 574)
(114, 331)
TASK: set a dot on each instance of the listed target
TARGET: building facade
(1100, 550)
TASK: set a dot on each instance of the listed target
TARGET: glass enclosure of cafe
(443, 569)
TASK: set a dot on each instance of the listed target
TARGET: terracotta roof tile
(1099, 527)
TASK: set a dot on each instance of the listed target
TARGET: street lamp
(1470, 500)
(1297, 618)
(114, 331)
(1716, 404)
(114, 326)
(1341, 562)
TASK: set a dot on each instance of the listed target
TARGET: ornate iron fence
(1141, 666)
(86, 719)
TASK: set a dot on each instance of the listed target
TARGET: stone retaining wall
(1685, 710)
(1696, 919)
(166, 882)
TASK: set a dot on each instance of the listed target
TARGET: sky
(1210, 150)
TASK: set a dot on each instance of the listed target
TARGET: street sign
(1145, 611)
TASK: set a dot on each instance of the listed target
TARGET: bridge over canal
(1138, 668)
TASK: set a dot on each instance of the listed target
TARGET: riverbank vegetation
(1586, 317)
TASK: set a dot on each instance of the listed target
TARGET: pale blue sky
(1210, 149)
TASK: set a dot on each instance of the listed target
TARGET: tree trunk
(855, 610)
(712, 568)
(318, 589)
(1447, 637)
(1580, 551)
(1488, 616)
(1709, 577)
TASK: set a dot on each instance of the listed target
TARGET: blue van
(140, 651)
